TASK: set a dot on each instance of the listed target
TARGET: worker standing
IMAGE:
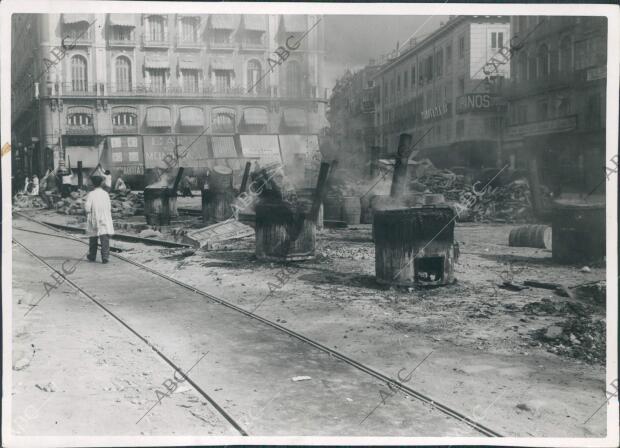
(107, 182)
(99, 219)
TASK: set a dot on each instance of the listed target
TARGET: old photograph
(249, 223)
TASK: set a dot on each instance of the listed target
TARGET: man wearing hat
(98, 217)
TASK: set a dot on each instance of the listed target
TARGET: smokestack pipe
(246, 175)
(321, 190)
(177, 180)
(399, 179)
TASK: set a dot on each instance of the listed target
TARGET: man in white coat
(98, 220)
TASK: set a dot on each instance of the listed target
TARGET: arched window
(79, 75)
(293, 79)
(566, 55)
(542, 60)
(223, 121)
(254, 80)
(123, 74)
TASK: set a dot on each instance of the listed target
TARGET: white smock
(98, 213)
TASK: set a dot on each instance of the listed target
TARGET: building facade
(127, 89)
(435, 90)
(351, 118)
(557, 99)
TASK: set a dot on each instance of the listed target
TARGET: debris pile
(124, 204)
(579, 337)
(23, 201)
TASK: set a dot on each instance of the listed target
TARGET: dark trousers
(105, 247)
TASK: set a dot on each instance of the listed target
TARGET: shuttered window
(79, 77)
(123, 74)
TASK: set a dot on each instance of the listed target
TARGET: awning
(191, 116)
(189, 62)
(71, 19)
(128, 20)
(88, 155)
(255, 116)
(223, 21)
(255, 22)
(156, 61)
(294, 118)
(124, 110)
(158, 117)
(221, 64)
(223, 146)
(79, 110)
(294, 23)
(263, 147)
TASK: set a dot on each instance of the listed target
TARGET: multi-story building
(351, 118)
(557, 100)
(435, 89)
(127, 89)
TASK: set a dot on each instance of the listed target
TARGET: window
(500, 40)
(553, 62)
(522, 113)
(157, 79)
(593, 117)
(123, 74)
(293, 79)
(224, 122)
(76, 32)
(191, 80)
(448, 130)
(493, 40)
(254, 80)
(79, 119)
(460, 129)
(429, 68)
(564, 107)
(461, 47)
(461, 86)
(566, 56)
(223, 80)
(79, 77)
(413, 76)
(543, 62)
(439, 63)
(532, 70)
(542, 110)
(124, 119)
(522, 24)
(220, 36)
(121, 33)
(189, 29)
(398, 84)
(156, 29)
(448, 58)
(522, 67)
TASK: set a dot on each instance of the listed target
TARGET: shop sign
(435, 112)
(477, 101)
(543, 127)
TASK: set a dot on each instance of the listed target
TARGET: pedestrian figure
(107, 183)
(35, 185)
(120, 185)
(185, 187)
(99, 219)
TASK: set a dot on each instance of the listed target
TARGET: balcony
(222, 44)
(180, 91)
(253, 45)
(555, 81)
(155, 41)
(121, 42)
(189, 44)
(80, 129)
(124, 129)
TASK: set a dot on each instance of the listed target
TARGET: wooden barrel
(159, 206)
(578, 232)
(351, 209)
(221, 178)
(408, 248)
(332, 208)
(216, 205)
(530, 236)
(284, 233)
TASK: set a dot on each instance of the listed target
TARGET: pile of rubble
(24, 201)
(124, 204)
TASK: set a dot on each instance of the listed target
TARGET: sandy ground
(485, 357)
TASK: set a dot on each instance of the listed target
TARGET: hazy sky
(351, 40)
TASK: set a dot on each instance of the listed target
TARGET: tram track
(390, 382)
